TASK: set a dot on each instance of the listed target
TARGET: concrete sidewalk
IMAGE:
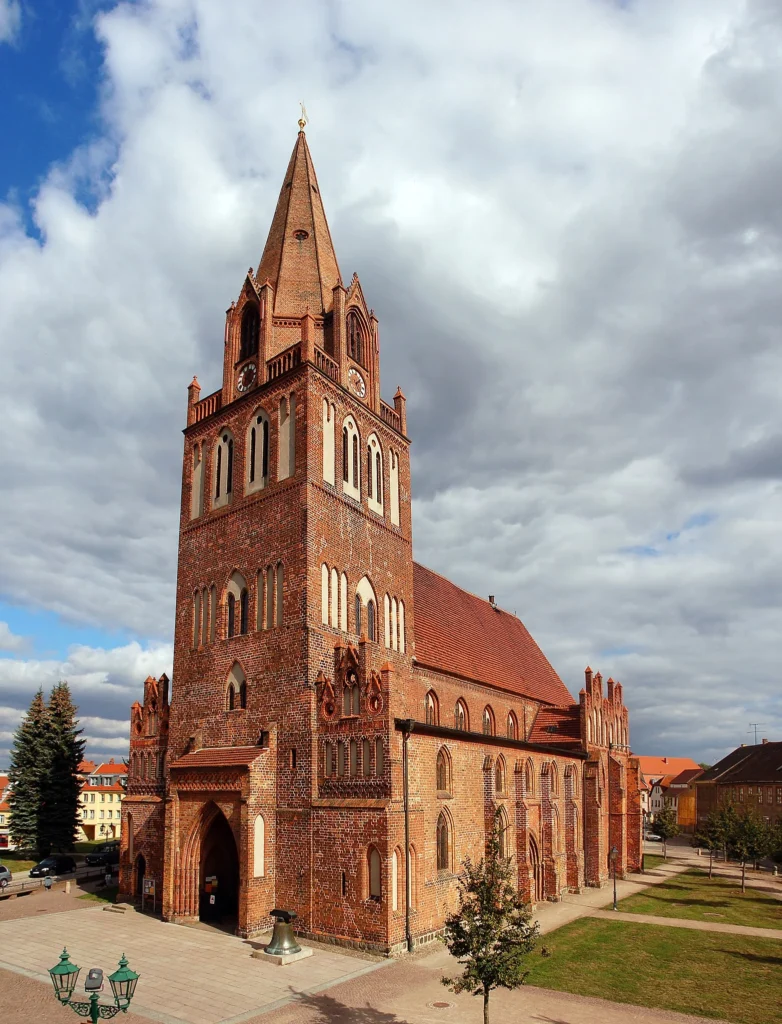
(680, 922)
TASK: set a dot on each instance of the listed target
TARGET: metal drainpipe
(407, 727)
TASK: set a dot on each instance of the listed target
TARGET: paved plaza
(197, 975)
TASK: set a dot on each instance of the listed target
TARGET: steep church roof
(463, 635)
(299, 260)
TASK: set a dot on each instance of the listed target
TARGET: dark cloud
(573, 240)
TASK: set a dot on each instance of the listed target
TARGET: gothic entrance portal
(218, 874)
(537, 871)
(141, 869)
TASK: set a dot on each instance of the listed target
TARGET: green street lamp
(123, 984)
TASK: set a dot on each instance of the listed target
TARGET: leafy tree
(60, 793)
(666, 826)
(750, 840)
(776, 842)
(728, 817)
(710, 836)
(492, 932)
(29, 762)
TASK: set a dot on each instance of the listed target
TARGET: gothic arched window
(443, 843)
(499, 775)
(460, 720)
(223, 469)
(231, 615)
(371, 620)
(355, 334)
(244, 604)
(251, 329)
(358, 615)
(513, 727)
(443, 775)
(432, 711)
(258, 454)
(488, 721)
(374, 870)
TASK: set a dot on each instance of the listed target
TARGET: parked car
(106, 855)
(652, 837)
(57, 864)
(5, 876)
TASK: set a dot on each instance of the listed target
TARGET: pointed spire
(298, 260)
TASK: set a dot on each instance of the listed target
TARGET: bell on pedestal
(283, 940)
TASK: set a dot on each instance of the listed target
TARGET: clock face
(356, 382)
(247, 377)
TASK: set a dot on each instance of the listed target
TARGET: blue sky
(49, 80)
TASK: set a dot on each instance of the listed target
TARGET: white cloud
(9, 641)
(10, 20)
(573, 240)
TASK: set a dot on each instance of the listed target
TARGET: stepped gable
(559, 727)
(463, 635)
(299, 260)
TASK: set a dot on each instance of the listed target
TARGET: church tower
(294, 598)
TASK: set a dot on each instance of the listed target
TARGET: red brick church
(344, 723)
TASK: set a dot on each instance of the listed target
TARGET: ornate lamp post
(613, 855)
(123, 984)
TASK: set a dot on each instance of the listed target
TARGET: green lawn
(732, 977)
(17, 860)
(106, 895)
(652, 861)
(692, 896)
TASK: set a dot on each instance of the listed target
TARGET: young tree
(750, 840)
(666, 826)
(728, 817)
(60, 792)
(492, 933)
(710, 836)
(27, 771)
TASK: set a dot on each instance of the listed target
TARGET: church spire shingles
(298, 260)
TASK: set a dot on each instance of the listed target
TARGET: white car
(652, 837)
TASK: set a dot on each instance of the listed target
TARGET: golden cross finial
(303, 120)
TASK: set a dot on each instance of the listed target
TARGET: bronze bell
(283, 939)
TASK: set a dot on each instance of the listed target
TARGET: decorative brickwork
(308, 645)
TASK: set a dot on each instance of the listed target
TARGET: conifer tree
(29, 760)
(492, 932)
(60, 791)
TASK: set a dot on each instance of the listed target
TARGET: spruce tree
(492, 933)
(60, 792)
(29, 762)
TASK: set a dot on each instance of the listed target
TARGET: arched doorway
(537, 871)
(141, 870)
(218, 874)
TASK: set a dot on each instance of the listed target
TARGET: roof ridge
(469, 593)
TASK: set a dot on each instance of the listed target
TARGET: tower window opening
(231, 615)
(244, 604)
(358, 615)
(369, 472)
(345, 454)
(355, 461)
(379, 478)
(250, 332)
(355, 338)
(229, 476)
(371, 620)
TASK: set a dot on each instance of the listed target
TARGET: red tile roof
(557, 726)
(111, 768)
(218, 757)
(685, 778)
(652, 767)
(463, 635)
(115, 787)
(85, 767)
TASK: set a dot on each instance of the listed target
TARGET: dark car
(57, 864)
(5, 876)
(106, 855)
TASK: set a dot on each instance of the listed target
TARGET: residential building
(345, 725)
(100, 800)
(6, 843)
(749, 776)
(680, 795)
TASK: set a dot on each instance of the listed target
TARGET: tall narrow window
(259, 843)
(488, 721)
(341, 758)
(351, 470)
(212, 613)
(231, 697)
(443, 851)
(371, 620)
(329, 766)
(499, 775)
(369, 472)
(513, 729)
(251, 328)
(243, 695)
(253, 451)
(205, 617)
(460, 716)
(229, 476)
(219, 473)
(379, 756)
(197, 483)
(244, 605)
(379, 478)
(269, 597)
(355, 335)
(358, 615)
(223, 465)
(353, 757)
(395, 881)
(265, 462)
(196, 618)
(442, 771)
(355, 461)
(345, 453)
(278, 599)
(375, 888)
(258, 452)
(366, 758)
(432, 717)
(231, 615)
